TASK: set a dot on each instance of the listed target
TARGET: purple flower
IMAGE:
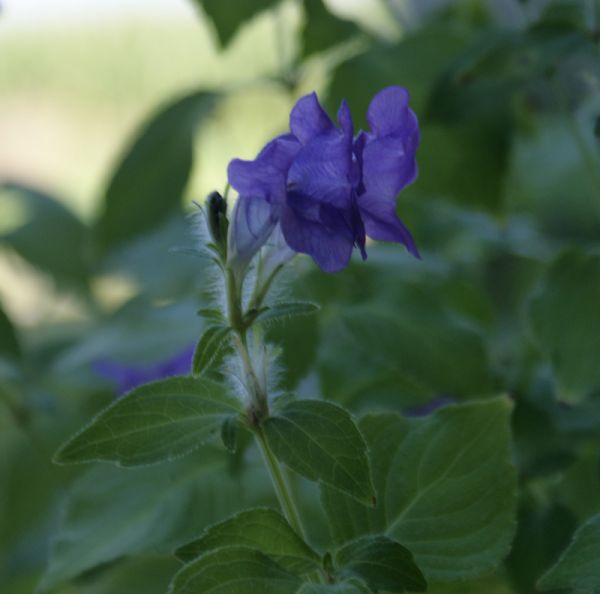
(326, 188)
(127, 377)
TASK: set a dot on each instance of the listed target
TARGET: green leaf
(320, 441)
(229, 15)
(211, 344)
(155, 422)
(234, 570)
(289, 309)
(149, 182)
(565, 321)
(578, 566)
(112, 512)
(445, 486)
(264, 530)
(352, 586)
(9, 342)
(417, 349)
(45, 233)
(382, 563)
(322, 30)
(229, 433)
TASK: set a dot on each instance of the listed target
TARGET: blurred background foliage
(110, 127)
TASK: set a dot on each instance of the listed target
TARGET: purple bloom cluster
(326, 188)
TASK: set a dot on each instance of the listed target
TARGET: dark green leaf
(234, 570)
(211, 344)
(283, 311)
(445, 486)
(153, 423)
(352, 586)
(578, 566)
(229, 15)
(322, 29)
(229, 433)
(565, 319)
(264, 530)
(9, 342)
(382, 563)
(320, 441)
(45, 233)
(112, 512)
(149, 182)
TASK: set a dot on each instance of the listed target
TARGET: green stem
(281, 489)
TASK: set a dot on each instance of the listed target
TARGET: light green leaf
(578, 567)
(149, 182)
(290, 309)
(155, 422)
(229, 15)
(211, 344)
(382, 563)
(320, 441)
(264, 530)
(113, 512)
(446, 488)
(565, 320)
(234, 570)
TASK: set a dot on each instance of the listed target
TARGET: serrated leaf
(446, 488)
(148, 184)
(112, 512)
(565, 320)
(290, 309)
(320, 441)
(211, 344)
(153, 423)
(382, 563)
(234, 570)
(578, 567)
(264, 530)
(229, 15)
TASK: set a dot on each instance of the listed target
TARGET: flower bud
(218, 224)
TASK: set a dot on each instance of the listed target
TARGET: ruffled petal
(382, 222)
(328, 241)
(252, 222)
(322, 170)
(389, 164)
(308, 119)
(265, 176)
(389, 113)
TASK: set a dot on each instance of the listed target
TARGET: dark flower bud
(218, 224)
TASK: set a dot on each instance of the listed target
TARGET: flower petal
(308, 119)
(389, 165)
(266, 175)
(389, 113)
(329, 240)
(382, 222)
(322, 170)
(252, 221)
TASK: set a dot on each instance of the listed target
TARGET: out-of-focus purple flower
(127, 377)
(325, 187)
(429, 407)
